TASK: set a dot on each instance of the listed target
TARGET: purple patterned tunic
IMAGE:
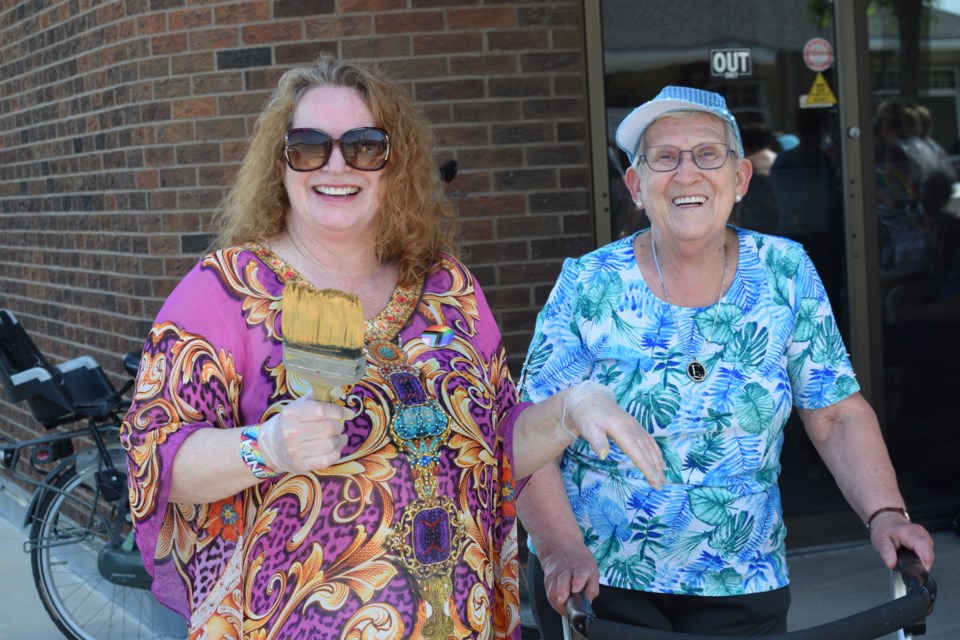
(412, 534)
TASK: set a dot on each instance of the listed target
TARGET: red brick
(221, 129)
(159, 201)
(508, 297)
(447, 43)
(217, 175)
(190, 63)
(159, 156)
(498, 252)
(234, 151)
(371, 6)
(221, 82)
(180, 221)
(163, 244)
(172, 87)
(147, 179)
(519, 40)
(195, 108)
(272, 32)
(486, 65)
(528, 226)
(486, 157)
(302, 54)
(463, 136)
(242, 12)
(382, 47)
(250, 102)
(478, 229)
(411, 22)
(168, 43)
(338, 26)
(493, 205)
(152, 23)
(484, 18)
(213, 39)
(190, 19)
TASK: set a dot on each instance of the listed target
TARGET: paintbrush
(323, 338)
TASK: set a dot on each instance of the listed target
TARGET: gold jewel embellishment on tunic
(429, 535)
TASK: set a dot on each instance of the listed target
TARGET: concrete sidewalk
(831, 583)
(826, 583)
(21, 613)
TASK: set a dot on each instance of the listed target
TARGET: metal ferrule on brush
(324, 367)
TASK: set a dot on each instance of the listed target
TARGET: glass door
(914, 63)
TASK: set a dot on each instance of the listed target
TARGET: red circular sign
(818, 54)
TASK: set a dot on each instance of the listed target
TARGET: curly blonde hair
(416, 219)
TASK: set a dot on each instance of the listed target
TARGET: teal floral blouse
(771, 343)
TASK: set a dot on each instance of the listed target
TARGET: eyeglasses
(710, 155)
(365, 148)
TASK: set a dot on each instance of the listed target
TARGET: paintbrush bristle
(323, 337)
(324, 319)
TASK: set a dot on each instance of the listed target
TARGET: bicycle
(86, 567)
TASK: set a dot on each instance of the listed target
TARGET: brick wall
(122, 123)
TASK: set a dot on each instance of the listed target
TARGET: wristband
(874, 515)
(250, 453)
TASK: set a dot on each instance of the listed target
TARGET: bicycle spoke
(75, 523)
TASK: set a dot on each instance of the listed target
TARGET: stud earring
(639, 203)
(737, 198)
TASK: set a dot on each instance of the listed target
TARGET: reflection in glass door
(774, 62)
(914, 63)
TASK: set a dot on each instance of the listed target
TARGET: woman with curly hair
(263, 512)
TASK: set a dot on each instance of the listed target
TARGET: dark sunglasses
(366, 148)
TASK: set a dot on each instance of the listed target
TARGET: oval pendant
(696, 371)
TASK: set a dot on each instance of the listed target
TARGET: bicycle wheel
(72, 526)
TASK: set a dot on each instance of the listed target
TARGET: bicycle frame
(13, 452)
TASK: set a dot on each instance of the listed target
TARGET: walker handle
(908, 612)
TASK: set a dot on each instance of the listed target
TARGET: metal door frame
(856, 145)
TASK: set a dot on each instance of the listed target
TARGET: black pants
(755, 614)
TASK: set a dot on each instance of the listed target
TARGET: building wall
(122, 125)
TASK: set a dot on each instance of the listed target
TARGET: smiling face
(336, 200)
(689, 203)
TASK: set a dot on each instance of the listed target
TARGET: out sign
(730, 63)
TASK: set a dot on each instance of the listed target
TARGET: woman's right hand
(591, 409)
(306, 435)
(568, 568)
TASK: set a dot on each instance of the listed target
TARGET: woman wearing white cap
(709, 335)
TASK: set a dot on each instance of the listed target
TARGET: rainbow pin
(437, 336)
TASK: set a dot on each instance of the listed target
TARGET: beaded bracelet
(250, 452)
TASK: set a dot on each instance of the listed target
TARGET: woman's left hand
(592, 412)
(891, 531)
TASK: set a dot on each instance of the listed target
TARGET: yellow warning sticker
(820, 94)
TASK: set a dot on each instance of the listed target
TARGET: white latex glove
(306, 435)
(591, 412)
